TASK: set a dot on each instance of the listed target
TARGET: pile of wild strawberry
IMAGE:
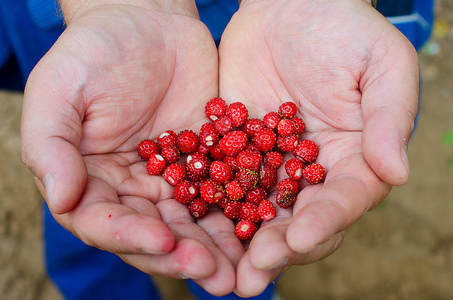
(233, 161)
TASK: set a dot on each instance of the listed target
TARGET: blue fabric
(202, 294)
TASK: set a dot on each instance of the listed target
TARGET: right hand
(117, 75)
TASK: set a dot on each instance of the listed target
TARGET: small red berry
(247, 179)
(306, 150)
(198, 208)
(215, 108)
(234, 190)
(293, 168)
(233, 142)
(232, 163)
(220, 172)
(249, 160)
(197, 165)
(265, 140)
(285, 198)
(287, 110)
(167, 139)
(252, 126)
(208, 135)
(146, 148)
(286, 127)
(175, 173)
(299, 125)
(187, 141)
(313, 173)
(233, 209)
(256, 195)
(223, 125)
(216, 152)
(287, 143)
(238, 113)
(156, 164)
(273, 158)
(185, 191)
(271, 120)
(170, 154)
(288, 184)
(249, 212)
(245, 230)
(222, 203)
(266, 210)
(268, 176)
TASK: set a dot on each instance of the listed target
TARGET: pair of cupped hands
(121, 73)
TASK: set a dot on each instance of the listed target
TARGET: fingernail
(183, 276)
(49, 184)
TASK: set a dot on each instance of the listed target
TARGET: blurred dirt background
(401, 250)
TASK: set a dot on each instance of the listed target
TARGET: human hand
(355, 80)
(119, 74)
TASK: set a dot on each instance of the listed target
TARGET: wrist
(72, 9)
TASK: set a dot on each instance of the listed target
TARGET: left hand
(354, 77)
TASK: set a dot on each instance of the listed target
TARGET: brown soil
(401, 250)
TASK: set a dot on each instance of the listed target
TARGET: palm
(274, 52)
(120, 82)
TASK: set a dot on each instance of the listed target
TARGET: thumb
(390, 102)
(51, 128)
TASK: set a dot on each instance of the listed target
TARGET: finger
(252, 281)
(100, 220)
(351, 189)
(50, 134)
(222, 280)
(390, 101)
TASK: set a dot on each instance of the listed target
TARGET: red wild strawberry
(287, 143)
(234, 190)
(223, 125)
(197, 165)
(265, 140)
(285, 198)
(247, 179)
(232, 163)
(299, 125)
(222, 203)
(211, 192)
(198, 208)
(216, 153)
(233, 142)
(238, 113)
(293, 168)
(167, 139)
(287, 110)
(251, 147)
(170, 154)
(249, 160)
(256, 195)
(185, 191)
(266, 210)
(215, 108)
(252, 126)
(233, 209)
(273, 158)
(203, 149)
(286, 127)
(187, 141)
(220, 172)
(306, 150)
(268, 176)
(156, 164)
(313, 173)
(245, 230)
(146, 148)
(288, 184)
(271, 120)
(249, 212)
(208, 135)
(175, 173)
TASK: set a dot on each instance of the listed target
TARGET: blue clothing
(28, 28)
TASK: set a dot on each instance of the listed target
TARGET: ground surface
(401, 250)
